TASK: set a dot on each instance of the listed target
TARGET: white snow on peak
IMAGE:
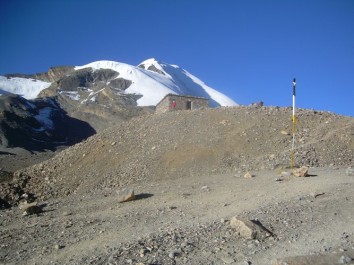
(151, 79)
(150, 85)
(154, 85)
(153, 62)
(27, 88)
(115, 66)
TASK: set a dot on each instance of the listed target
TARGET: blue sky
(248, 49)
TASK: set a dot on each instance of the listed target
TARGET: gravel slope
(192, 143)
(187, 169)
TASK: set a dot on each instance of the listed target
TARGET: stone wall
(182, 103)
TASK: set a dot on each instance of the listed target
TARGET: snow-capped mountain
(35, 110)
(150, 81)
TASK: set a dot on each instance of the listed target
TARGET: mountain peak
(149, 82)
(152, 65)
(150, 61)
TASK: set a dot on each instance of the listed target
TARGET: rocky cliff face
(56, 73)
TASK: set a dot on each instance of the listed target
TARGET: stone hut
(172, 102)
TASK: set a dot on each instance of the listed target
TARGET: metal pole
(294, 125)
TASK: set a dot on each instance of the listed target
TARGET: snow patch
(43, 117)
(115, 66)
(93, 99)
(25, 87)
(73, 95)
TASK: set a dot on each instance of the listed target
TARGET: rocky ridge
(53, 74)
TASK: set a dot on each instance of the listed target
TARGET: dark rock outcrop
(86, 78)
(120, 83)
(38, 125)
(151, 68)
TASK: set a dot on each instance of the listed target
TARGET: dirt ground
(186, 221)
(187, 169)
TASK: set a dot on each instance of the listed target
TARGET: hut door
(189, 105)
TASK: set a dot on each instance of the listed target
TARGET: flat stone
(284, 132)
(126, 194)
(248, 175)
(205, 188)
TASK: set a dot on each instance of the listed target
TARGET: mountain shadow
(38, 125)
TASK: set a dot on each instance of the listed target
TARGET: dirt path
(185, 221)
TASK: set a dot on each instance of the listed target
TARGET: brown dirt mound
(183, 144)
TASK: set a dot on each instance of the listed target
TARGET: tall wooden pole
(294, 125)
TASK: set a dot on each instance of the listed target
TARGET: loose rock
(285, 133)
(350, 171)
(249, 229)
(248, 175)
(30, 208)
(301, 172)
(126, 194)
(174, 253)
